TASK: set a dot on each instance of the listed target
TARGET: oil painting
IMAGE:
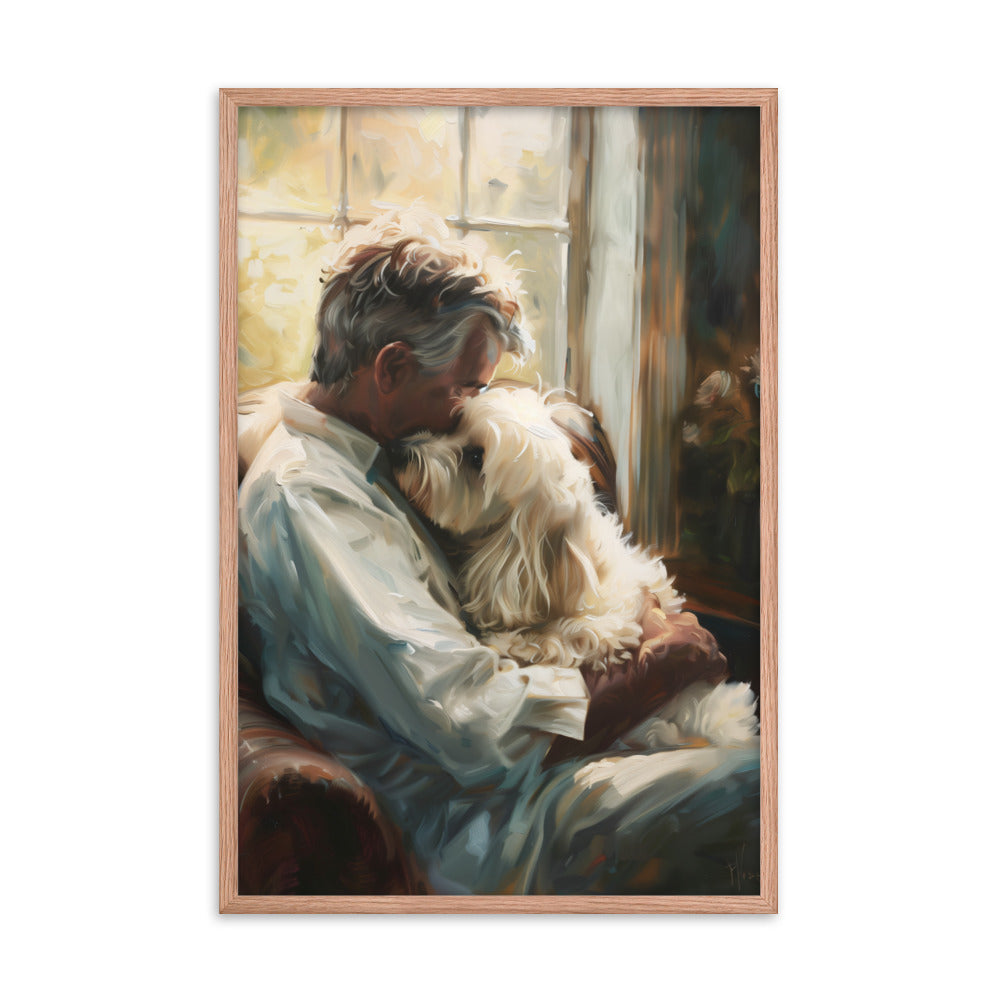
(498, 577)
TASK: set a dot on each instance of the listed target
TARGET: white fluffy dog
(547, 575)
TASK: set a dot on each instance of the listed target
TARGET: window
(500, 175)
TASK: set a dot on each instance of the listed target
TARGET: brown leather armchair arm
(307, 824)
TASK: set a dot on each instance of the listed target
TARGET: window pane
(540, 259)
(400, 154)
(279, 266)
(289, 160)
(519, 163)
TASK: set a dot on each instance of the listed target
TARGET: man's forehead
(493, 350)
(482, 347)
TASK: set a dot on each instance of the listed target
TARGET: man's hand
(675, 651)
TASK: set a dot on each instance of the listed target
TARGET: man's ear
(394, 365)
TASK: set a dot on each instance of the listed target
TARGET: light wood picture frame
(667, 532)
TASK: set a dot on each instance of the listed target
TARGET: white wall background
(889, 332)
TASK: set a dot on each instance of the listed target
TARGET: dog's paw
(701, 715)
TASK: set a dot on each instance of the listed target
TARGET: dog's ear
(528, 571)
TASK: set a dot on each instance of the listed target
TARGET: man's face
(431, 401)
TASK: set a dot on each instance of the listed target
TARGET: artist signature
(739, 878)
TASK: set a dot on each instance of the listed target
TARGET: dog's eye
(474, 456)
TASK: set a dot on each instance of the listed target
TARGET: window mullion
(508, 225)
(308, 218)
(340, 220)
(580, 162)
(463, 170)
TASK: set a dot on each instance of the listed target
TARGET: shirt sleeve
(349, 585)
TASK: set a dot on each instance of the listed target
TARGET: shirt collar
(364, 451)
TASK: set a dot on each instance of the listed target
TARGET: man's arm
(349, 604)
(675, 651)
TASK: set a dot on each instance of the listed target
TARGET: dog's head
(505, 482)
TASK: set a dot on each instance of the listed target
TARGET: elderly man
(493, 770)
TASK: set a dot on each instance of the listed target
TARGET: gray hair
(391, 283)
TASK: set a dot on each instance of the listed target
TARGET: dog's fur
(548, 576)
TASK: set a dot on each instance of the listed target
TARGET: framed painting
(498, 481)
